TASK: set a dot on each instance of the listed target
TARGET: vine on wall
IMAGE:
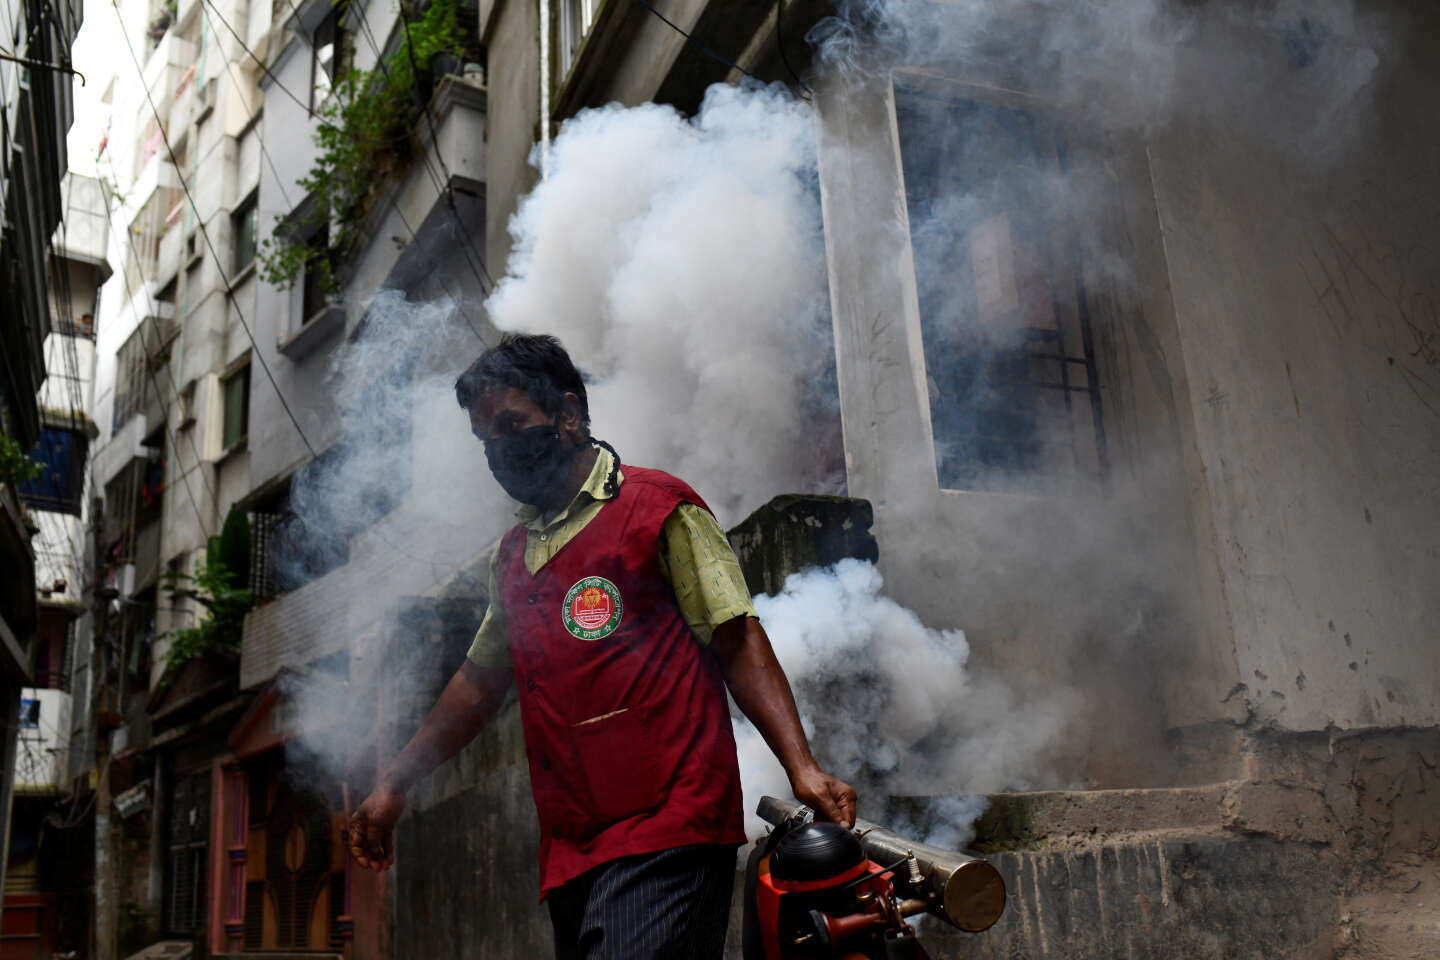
(364, 132)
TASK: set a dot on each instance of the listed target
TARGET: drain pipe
(544, 89)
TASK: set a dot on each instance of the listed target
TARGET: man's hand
(758, 684)
(372, 828)
(830, 798)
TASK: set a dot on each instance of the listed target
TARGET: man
(618, 611)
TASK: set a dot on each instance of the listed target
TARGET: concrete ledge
(1021, 820)
(1163, 897)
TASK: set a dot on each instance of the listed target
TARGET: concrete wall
(288, 129)
(1305, 299)
(511, 33)
(1262, 549)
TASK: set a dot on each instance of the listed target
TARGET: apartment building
(210, 392)
(181, 160)
(45, 903)
(1213, 365)
(35, 420)
(1219, 368)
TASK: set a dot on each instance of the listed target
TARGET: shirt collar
(593, 489)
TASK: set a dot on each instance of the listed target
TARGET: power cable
(264, 151)
(394, 205)
(170, 436)
(698, 45)
(174, 393)
(229, 291)
(446, 188)
(808, 94)
(449, 187)
(268, 73)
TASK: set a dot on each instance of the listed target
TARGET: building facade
(1193, 493)
(39, 425)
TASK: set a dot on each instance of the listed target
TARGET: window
(236, 391)
(130, 379)
(187, 405)
(167, 292)
(1009, 361)
(325, 56)
(316, 294)
(576, 16)
(246, 224)
(194, 295)
(188, 843)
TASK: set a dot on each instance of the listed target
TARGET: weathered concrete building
(1195, 493)
(35, 113)
(48, 904)
(1151, 418)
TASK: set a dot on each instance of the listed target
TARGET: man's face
(505, 411)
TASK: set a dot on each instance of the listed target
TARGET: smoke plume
(681, 262)
(891, 707)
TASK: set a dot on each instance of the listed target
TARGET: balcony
(457, 145)
(127, 444)
(43, 743)
(165, 70)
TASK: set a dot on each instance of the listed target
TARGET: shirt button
(530, 683)
(544, 537)
(530, 599)
(545, 763)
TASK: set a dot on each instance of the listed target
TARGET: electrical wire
(170, 436)
(698, 45)
(442, 189)
(264, 151)
(807, 94)
(174, 393)
(200, 222)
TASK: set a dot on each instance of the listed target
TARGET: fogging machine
(816, 890)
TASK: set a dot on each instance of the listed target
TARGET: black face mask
(530, 463)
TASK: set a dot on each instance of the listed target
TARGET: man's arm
(468, 702)
(757, 682)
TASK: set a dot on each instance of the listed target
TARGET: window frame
(331, 20)
(246, 211)
(1064, 266)
(240, 372)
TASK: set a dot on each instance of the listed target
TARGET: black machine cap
(816, 851)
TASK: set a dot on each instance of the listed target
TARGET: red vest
(627, 728)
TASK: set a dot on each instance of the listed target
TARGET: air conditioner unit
(205, 99)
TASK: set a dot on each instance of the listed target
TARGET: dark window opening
(286, 552)
(188, 839)
(1009, 362)
(236, 389)
(318, 267)
(246, 223)
(325, 58)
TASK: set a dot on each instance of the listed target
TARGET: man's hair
(535, 363)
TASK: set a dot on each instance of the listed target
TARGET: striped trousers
(671, 905)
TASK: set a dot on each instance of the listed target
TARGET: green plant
(364, 131)
(227, 558)
(15, 465)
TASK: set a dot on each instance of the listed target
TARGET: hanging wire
(205, 234)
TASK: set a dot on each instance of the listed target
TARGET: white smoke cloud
(890, 705)
(681, 262)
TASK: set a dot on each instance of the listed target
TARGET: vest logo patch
(592, 609)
